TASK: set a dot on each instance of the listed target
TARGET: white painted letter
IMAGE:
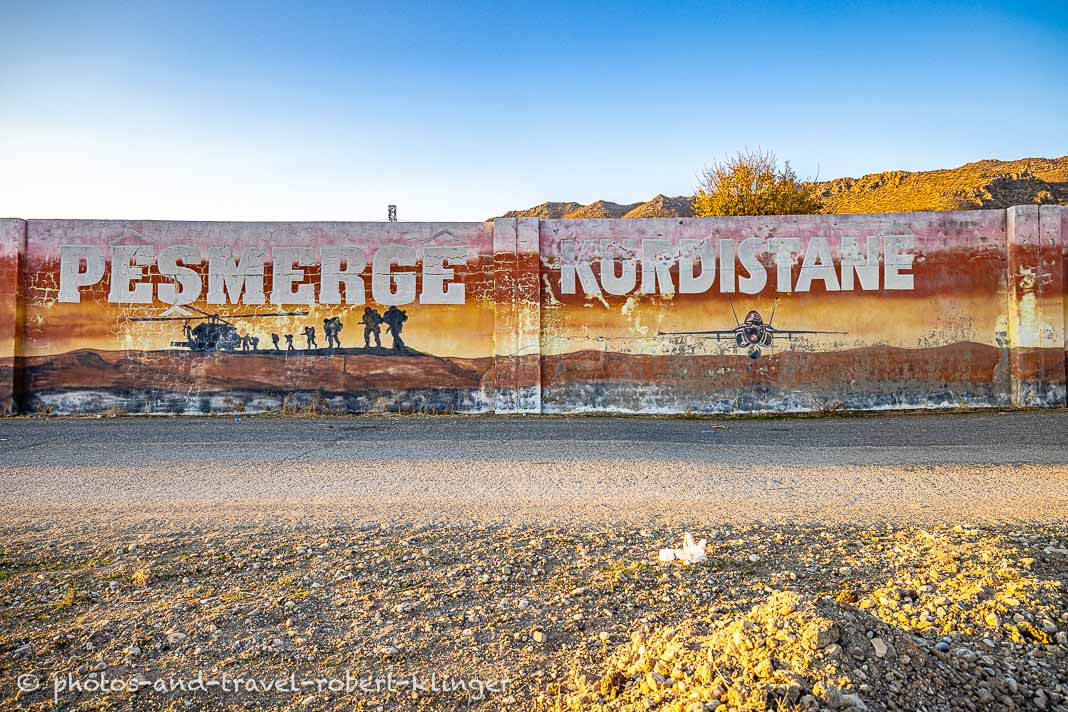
(70, 275)
(624, 282)
(187, 285)
(726, 266)
(867, 270)
(240, 280)
(748, 250)
(383, 278)
(332, 275)
(897, 256)
(570, 265)
(436, 274)
(284, 275)
(656, 267)
(689, 283)
(128, 263)
(784, 248)
(818, 264)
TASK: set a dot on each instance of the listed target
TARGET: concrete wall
(758, 314)
(935, 333)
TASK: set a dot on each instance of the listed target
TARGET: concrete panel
(517, 327)
(506, 317)
(1051, 290)
(671, 315)
(1049, 214)
(12, 243)
(1036, 306)
(528, 316)
(207, 317)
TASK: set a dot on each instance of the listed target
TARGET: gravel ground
(886, 563)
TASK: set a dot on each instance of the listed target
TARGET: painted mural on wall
(794, 313)
(183, 317)
(722, 315)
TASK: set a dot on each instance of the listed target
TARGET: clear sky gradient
(330, 111)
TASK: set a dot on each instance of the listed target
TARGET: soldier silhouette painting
(274, 340)
(395, 319)
(372, 323)
(332, 329)
(309, 334)
(289, 342)
(255, 343)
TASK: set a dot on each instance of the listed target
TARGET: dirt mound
(974, 629)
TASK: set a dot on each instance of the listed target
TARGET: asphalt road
(994, 466)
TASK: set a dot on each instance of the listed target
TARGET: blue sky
(329, 111)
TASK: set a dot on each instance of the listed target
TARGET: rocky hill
(982, 184)
(545, 211)
(659, 207)
(663, 207)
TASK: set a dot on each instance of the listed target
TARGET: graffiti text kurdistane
(242, 278)
(881, 262)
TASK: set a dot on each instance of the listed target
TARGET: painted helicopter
(752, 333)
(214, 333)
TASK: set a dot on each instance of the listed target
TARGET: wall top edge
(915, 215)
(370, 223)
(570, 221)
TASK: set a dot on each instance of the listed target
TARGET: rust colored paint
(12, 242)
(949, 309)
(96, 354)
(960, 335)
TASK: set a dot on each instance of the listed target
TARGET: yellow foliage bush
(752, 183)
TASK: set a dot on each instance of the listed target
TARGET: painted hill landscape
(874, 378)
(973, 186)
(355, 381)
(178, 381)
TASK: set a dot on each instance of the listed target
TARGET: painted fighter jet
(752, 333)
